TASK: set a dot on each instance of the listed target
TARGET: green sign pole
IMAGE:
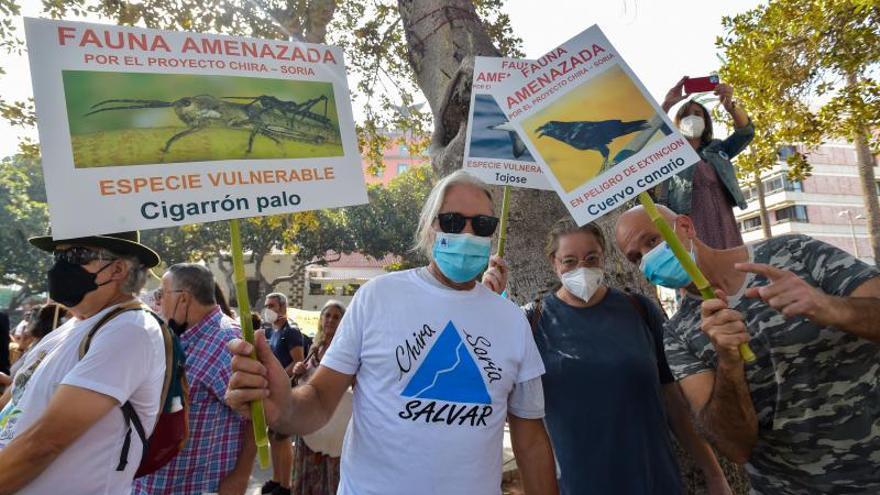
(258, 419)
(686, 261)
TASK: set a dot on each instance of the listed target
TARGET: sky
(661, 40)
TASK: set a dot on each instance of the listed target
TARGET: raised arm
(301, 410)
(858, 313)
(743, 132)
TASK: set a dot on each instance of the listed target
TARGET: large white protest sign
(142, 129)
(596, 131)
(494, 151)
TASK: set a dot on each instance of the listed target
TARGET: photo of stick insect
(264, 115)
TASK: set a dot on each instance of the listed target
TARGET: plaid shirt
(215, 431)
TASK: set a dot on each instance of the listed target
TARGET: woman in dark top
(608, 390)
(709, 190)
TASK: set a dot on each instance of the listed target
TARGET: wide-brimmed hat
(124, 243)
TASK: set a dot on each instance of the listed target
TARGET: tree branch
(318, 16)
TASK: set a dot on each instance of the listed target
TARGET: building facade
(828, 205)
(396, 159)
(340, 279)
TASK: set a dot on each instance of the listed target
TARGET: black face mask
(69, 283)
(177, 327)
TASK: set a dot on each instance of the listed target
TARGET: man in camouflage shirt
(805, 416)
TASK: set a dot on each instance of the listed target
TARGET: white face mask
(269, 316)
(583, 282)
(692, 126)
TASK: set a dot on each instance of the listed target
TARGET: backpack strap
(132, 419)
(87, 341)
(128, 412)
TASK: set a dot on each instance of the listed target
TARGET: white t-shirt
(434, 371)
(125, 361)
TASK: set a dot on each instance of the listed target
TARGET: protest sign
(587, 119)
(306, 320)
(143, 129)
(494, 151)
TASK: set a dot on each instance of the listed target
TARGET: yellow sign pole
(686, 261)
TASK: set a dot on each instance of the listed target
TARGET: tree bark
(318, 17)
(866, 163)
(762, 207)
(442, 38)
(868, 179)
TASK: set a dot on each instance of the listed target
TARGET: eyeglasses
(157, 294)
(572, 262)
(453, 223)
(79, 255)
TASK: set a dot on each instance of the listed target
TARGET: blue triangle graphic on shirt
(448, 373)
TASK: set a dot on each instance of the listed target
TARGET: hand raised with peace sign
(787, 293)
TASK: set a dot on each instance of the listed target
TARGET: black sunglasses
(453, 223)
(79, 255)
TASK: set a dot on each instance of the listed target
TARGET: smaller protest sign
(597, 133)
(494, 151)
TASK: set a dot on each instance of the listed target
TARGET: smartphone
(700, 84)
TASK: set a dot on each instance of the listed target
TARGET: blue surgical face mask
(662, 268)
(461, 257)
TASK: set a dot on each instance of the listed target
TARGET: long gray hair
(320, 335)
(424, 240)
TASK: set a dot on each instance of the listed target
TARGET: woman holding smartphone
(709, 190)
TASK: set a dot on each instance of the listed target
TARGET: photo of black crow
(591, 135)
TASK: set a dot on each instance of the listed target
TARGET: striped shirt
(215, 431)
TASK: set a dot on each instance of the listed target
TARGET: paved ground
(511, 479)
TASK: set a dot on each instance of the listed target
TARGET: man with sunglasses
(61, 425)
(441, 362)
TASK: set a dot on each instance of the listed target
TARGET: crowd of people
(425, 368)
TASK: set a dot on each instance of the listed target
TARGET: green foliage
(23, 214)
(197, 242)
(376, 56)
(370, 33)
(386, 225)
(804, 70)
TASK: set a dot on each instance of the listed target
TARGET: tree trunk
(762, 207)
(866, 163)
(443, 36)
(265, 287)
(868, 180)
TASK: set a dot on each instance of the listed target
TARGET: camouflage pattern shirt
(816, 390)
